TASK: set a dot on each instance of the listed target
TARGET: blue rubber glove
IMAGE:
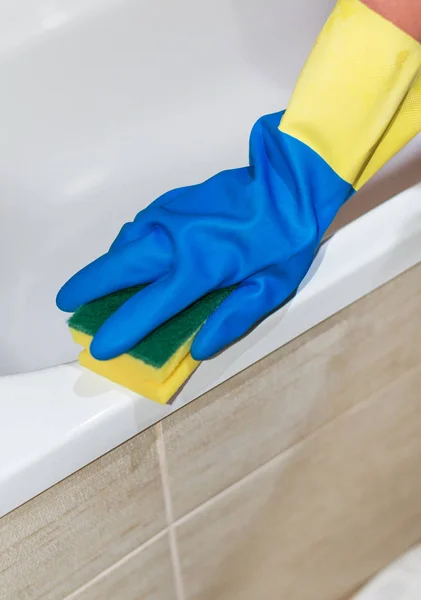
(258, 227)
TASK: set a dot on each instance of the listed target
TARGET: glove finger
(130, 232)
(140, 262)
(143, 313)
(248, 304)
(142, 223)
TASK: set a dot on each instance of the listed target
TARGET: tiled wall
(297, 479)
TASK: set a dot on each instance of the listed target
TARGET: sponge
(159, 365)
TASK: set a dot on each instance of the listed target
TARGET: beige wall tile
(73, 531)
(320, 518)
(240, 425)
(146, 575)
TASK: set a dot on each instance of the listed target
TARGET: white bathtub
(104, 105)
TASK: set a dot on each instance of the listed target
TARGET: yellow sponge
(160, 364)
(130, 372)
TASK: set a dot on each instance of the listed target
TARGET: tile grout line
(278, 457)
(243, 480)
(236, 484)
(114, 566)
(172, 524)
(175, 558)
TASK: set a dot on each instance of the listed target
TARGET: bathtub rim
(60, 419)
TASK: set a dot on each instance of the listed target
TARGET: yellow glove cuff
(358, 99)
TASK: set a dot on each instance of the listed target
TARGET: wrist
(405, 14)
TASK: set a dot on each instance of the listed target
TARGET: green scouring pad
(161, 362)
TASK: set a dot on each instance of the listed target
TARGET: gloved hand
(260, 226)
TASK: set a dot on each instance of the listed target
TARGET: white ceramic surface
(55, 421)
(399, 581)
(105, 104)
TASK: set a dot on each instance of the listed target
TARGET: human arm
(259, 227)
(405, 14)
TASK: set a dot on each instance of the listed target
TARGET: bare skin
(406, 14)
